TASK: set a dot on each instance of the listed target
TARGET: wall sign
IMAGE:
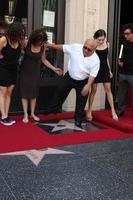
(50, 37)
(48, 18)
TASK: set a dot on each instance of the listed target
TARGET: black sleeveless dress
(103, 75)
(8, 65)
(30, 74)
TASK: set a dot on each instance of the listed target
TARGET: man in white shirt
(83, 67)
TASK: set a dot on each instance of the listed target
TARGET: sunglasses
(88, 49)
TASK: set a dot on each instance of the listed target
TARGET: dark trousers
(124, 82)
(62, 92)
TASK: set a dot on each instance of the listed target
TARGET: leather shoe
(78, 124)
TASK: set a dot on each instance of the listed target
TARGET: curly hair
(38, 36)
(16, 32)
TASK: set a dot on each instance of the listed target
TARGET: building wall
(83, 18)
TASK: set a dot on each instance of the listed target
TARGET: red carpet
(125, 122)
(22, 136)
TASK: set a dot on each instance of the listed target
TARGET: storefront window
(49, 11)
(13, 10)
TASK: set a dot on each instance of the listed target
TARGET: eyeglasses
(126, 33)
(86, 48)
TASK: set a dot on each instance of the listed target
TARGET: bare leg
(33, 105)
(90, 101)
(8, 98)
(107, 88)
(25, 109)
(3, 93)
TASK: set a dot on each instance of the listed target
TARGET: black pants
(62, 92)
(124, 82)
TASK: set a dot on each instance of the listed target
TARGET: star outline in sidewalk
(61, 125)
(37, 155)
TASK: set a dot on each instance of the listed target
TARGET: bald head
(89, 47)
(91, 42)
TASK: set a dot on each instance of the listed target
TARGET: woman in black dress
(30, 71)
(10, 48)
(3, 29)
(104, 75)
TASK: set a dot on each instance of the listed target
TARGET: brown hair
(38, 35)
(16, 32)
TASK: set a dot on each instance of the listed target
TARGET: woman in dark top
(10, 48)
(104, 74)
(30, 71)
(3, 29)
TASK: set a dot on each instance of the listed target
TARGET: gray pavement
(93, 171)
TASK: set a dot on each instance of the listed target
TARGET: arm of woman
(111, 74)
(57, 70)
(55, 46)
(3, 42)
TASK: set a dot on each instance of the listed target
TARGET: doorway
(120, 13)
(126, 15)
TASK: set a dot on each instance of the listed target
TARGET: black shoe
(119, 113)
(6, 121)
(11, 120)
(78, 124)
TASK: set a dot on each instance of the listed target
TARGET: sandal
(25, 120)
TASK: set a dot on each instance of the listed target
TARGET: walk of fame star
(61, 125)
(37, 155)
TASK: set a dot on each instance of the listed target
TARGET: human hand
(48, 44)
(85, 90)
(1, 56)
(58, 71)
(111, 74)
(120, 63)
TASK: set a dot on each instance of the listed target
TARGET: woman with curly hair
(10, 48)
(30, 71)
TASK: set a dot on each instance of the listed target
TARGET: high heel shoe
(115, 117)
(89, 117)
